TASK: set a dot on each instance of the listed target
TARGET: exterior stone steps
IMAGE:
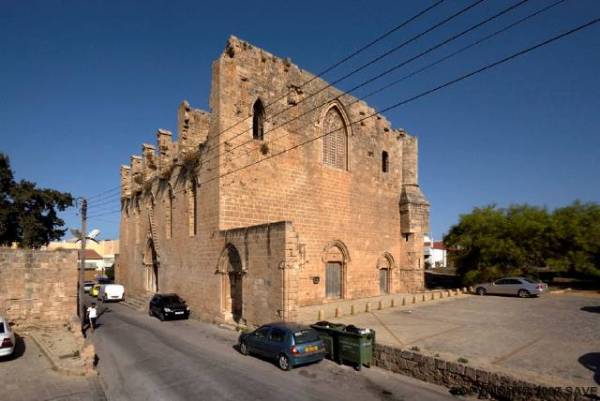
(137, 302)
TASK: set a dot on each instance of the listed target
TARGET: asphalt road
(141, 358)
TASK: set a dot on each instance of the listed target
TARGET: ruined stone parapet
(149, 163)
(192, 130)
(164, 139)
(125, 181)
(137, 178)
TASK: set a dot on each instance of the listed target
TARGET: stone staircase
(138, 302)
(154, 232)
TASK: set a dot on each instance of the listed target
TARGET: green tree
(491, 242)
(28, 215)
(576, 239)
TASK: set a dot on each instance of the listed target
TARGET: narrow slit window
(385, 162)
(258, 120)
(193, 208)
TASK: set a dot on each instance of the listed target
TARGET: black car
(168, 306)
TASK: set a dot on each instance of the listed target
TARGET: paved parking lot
(553, 340)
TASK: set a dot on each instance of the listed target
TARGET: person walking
(92, 313)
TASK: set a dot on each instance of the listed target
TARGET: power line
(462, 49)
(112, 199)
(323, 72)
(104, 214)
(346, 58)
(104, 192)
(422, 94)
(386, 72)
(106, 207)
(411, 99)
(363, 66)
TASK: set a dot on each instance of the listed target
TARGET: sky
(84, 83)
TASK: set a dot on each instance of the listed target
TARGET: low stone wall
(463, 379)
(38, 288)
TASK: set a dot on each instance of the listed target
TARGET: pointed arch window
(258, 120)
(335, 139)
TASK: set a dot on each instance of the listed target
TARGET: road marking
(515, 351)
(400, 342)
(436, 334)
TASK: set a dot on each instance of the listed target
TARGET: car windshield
(1, 327)
(529, 281)
(173, 299)
(305, 336)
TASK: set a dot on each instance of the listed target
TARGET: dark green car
(290, 344)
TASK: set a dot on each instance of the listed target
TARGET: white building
(435, 253)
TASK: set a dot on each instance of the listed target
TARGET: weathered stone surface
(287, 216)
(38, 288)
(466, 380)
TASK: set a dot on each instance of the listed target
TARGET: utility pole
(81, 293)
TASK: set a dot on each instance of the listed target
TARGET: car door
(513, 287)
(258, 341)
(276, 342)
(154, 305)
(499, 287)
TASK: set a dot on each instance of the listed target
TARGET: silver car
(520, 286)
(7, 338)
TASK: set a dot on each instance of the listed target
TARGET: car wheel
(161, 316)
(523, 293)
(150, 312)
(480, 291)
(244, 348)
(284, 362)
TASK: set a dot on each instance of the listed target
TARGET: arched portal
(335, 257)
(385, 264)
(151, 267)
(232, 288)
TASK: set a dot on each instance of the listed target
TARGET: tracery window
(335, 139)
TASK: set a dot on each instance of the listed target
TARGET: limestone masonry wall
(38, 287)
(346, 200)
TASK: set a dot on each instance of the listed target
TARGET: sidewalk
(63, 349)
(29, 376)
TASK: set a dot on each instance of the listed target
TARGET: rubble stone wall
(463, 379)
(38, 288)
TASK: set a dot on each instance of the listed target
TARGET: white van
(111, 292)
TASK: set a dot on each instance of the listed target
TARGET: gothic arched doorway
(232, 288)
(151, 267)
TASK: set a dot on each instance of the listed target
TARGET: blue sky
(84, 84)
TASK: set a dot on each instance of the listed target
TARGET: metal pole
(82, 259)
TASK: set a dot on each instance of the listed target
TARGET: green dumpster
(347, 343)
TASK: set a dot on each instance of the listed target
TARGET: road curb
(557, 292)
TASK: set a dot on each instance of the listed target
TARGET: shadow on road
(592, 309)
(592, 362)
(19, 349)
